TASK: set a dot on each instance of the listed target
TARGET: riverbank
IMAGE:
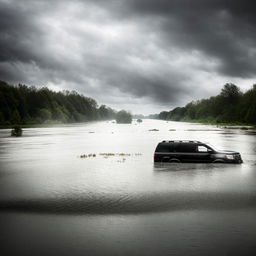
(48, 124)
(231, 125)
(32, 125)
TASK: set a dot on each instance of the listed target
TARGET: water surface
(55, 202)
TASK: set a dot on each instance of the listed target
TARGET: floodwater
(118, 202)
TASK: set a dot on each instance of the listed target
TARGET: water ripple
(132, 204)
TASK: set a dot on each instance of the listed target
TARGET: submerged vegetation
(29, 105)
(16, 131)
(230, 106)
(89, 155)
(106, 155)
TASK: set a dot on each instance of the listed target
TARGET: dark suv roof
(177, 146)
(181, 141)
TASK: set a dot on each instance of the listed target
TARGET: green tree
(123, 117)
(230, 93)
(1, 118)
(15, 119)
(249, 106)
(59, 115)
(231, 105)
(44, 114)
(163, 115)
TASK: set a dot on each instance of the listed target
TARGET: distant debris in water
(153, 130)
(114, 154)
(16, 131)
(121, 160)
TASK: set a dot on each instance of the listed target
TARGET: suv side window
(162, 148)
(186, 148)
(172, 147)
(202, 149)
(191, 148)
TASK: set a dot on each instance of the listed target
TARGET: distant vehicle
(193, 152)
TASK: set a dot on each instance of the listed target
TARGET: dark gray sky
(141, 55)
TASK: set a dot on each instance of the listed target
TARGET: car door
(203, 154)
(186, 152)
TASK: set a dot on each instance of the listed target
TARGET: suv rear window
(166, 147)
(163, 148)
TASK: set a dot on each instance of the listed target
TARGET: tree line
(231, 105)
(30, 105)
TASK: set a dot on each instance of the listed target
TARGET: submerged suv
(193, 151)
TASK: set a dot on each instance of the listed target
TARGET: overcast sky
(141, 55)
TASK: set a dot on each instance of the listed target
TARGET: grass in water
(86, 156)
(106, 155)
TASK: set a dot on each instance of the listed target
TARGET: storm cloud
(135, 54)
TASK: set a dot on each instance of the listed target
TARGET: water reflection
(173, 167)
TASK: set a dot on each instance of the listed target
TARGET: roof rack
(181, 141)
